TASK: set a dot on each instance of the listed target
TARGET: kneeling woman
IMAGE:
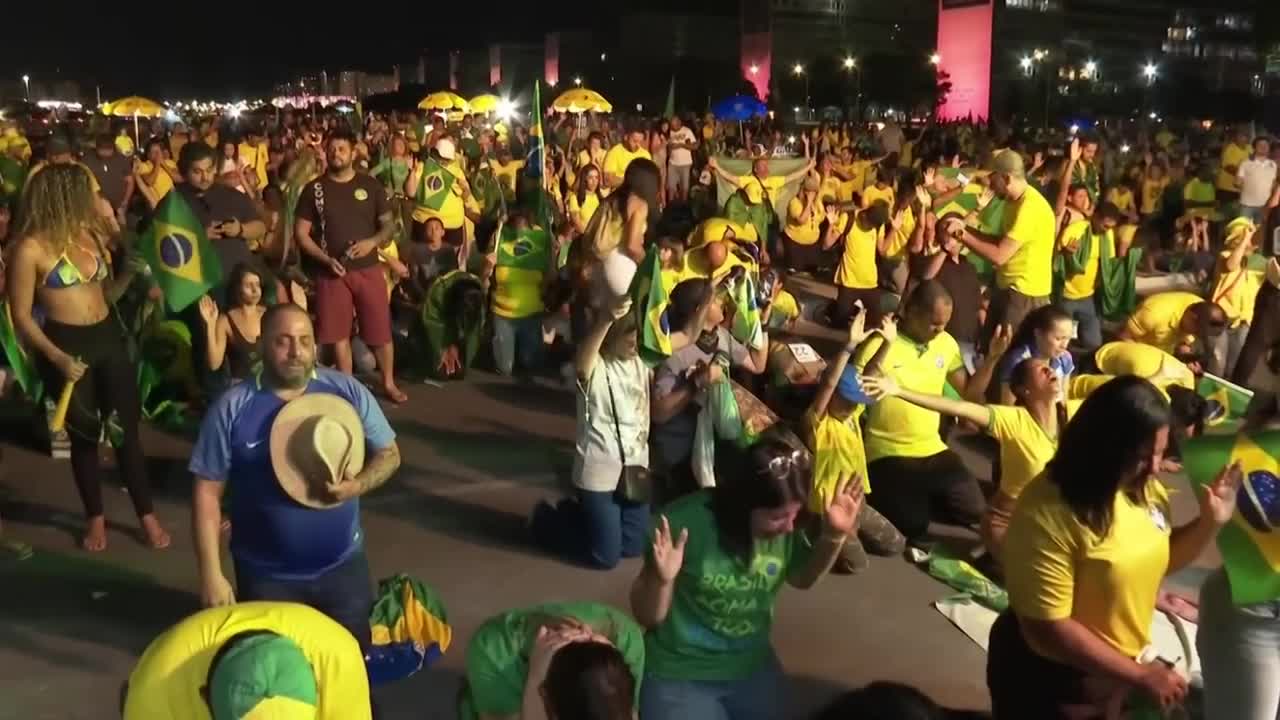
(60, 264)
(708, 587)
(563, 660)
(609, 517)
(1088, 545)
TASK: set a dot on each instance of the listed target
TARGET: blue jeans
(1089, 326)
(755, 697)
(517, 338)
(344, 593)
(595, 527)
(1240, 652)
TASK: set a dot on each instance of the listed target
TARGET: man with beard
(1023, 250)
(343, 219)
(283, 550)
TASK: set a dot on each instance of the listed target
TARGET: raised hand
(1075, 152)
(1218, 501)
(858, 330)
(889, 328)
(1000, 340)
(841, 516)
(878, 387)
(208, 310)
(668, 556)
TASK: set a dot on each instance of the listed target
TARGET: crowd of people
(980, 279)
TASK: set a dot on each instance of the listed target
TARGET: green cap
(263, 677)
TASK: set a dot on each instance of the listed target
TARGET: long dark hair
(745, 481)
(589, 681)
(1106, 447)
(1039, 320)
(236, 277)
(642, 179)
(581, 189)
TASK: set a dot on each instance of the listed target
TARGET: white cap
(445, 149)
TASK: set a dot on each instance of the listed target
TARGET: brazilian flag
(435, 186)
(183, 262)
(527, 249)
(1250, 543)
(410, 629)
(649, 298)
(24, 368)
(1227, 401)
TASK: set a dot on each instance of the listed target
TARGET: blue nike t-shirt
(273, 535)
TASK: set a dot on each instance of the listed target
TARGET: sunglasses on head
(783, 465)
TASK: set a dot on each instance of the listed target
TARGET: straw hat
(315, 438)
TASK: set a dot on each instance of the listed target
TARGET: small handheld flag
(183, 262)
(435, 186)
(650, 298)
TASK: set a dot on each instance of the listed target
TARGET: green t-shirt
(722, 610)
(498, 655)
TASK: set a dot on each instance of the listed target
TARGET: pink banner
(964, 49)
(495, 65)
(757, 58)
(552, 62)
(454, 59)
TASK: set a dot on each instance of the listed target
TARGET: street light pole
(26, 82)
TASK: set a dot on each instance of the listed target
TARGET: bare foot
(95, 534)
(156, 535)
(393, 393)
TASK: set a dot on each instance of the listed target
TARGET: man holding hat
(253, 660)
(293, 442)
(1022, 253)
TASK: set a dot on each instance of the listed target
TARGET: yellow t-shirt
(895, 427)
(785, 308)
(1025, 447)
(876, 193)
(453, 212)
(1232, 155)
(162, 183)
(506, 173)
(896, 249)
(1079, 287)
(757, 189)
(167, 679)
(1235, 292)
(1031, 224)
(255, 157)
(586, 158)
(618, 158)
(1196, 190)
(858, 264)
(1156, 320)
(517, 292)
(838, 452)
(830, 188)
(124, 145)
(1152, 192)
(1057, 568)
(857, 172)
(1145, 361)
(803, 232)
(1122, 197)
(586, 209)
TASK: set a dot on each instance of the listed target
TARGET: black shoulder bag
(635, 485)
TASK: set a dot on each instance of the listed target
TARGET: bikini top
(67, 274)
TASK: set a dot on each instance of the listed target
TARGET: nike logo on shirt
(253, 445)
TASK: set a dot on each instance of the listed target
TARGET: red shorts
(359, 294)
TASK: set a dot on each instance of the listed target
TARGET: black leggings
(109, 383)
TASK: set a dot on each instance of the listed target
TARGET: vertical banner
(495, 65)
(551, 71)
(964, 46)
(454, 58)
(757, 58)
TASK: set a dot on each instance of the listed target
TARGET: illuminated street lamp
(1090, 69)
(1040, 54)
(1025, 63)
(1150, 72)
(26, 81)
(578, 81)
(755, 69)
(850, 63)
(935, 59)
(798, 70)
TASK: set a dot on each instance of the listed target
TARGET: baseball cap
(445, 149)
(1009, 163)
(263, 677)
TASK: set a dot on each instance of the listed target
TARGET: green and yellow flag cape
(183, 262)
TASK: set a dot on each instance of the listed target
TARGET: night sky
(238, 48)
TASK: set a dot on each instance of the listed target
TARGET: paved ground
(476, 458)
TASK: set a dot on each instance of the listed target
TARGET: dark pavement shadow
(86, 598)
(807, 695)
(467, 521)
(493, 449)
(542, 396)
(430, 695)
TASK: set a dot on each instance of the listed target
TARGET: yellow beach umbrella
(580, 100)
(485, 103)
(443, 100)
(135, 107)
